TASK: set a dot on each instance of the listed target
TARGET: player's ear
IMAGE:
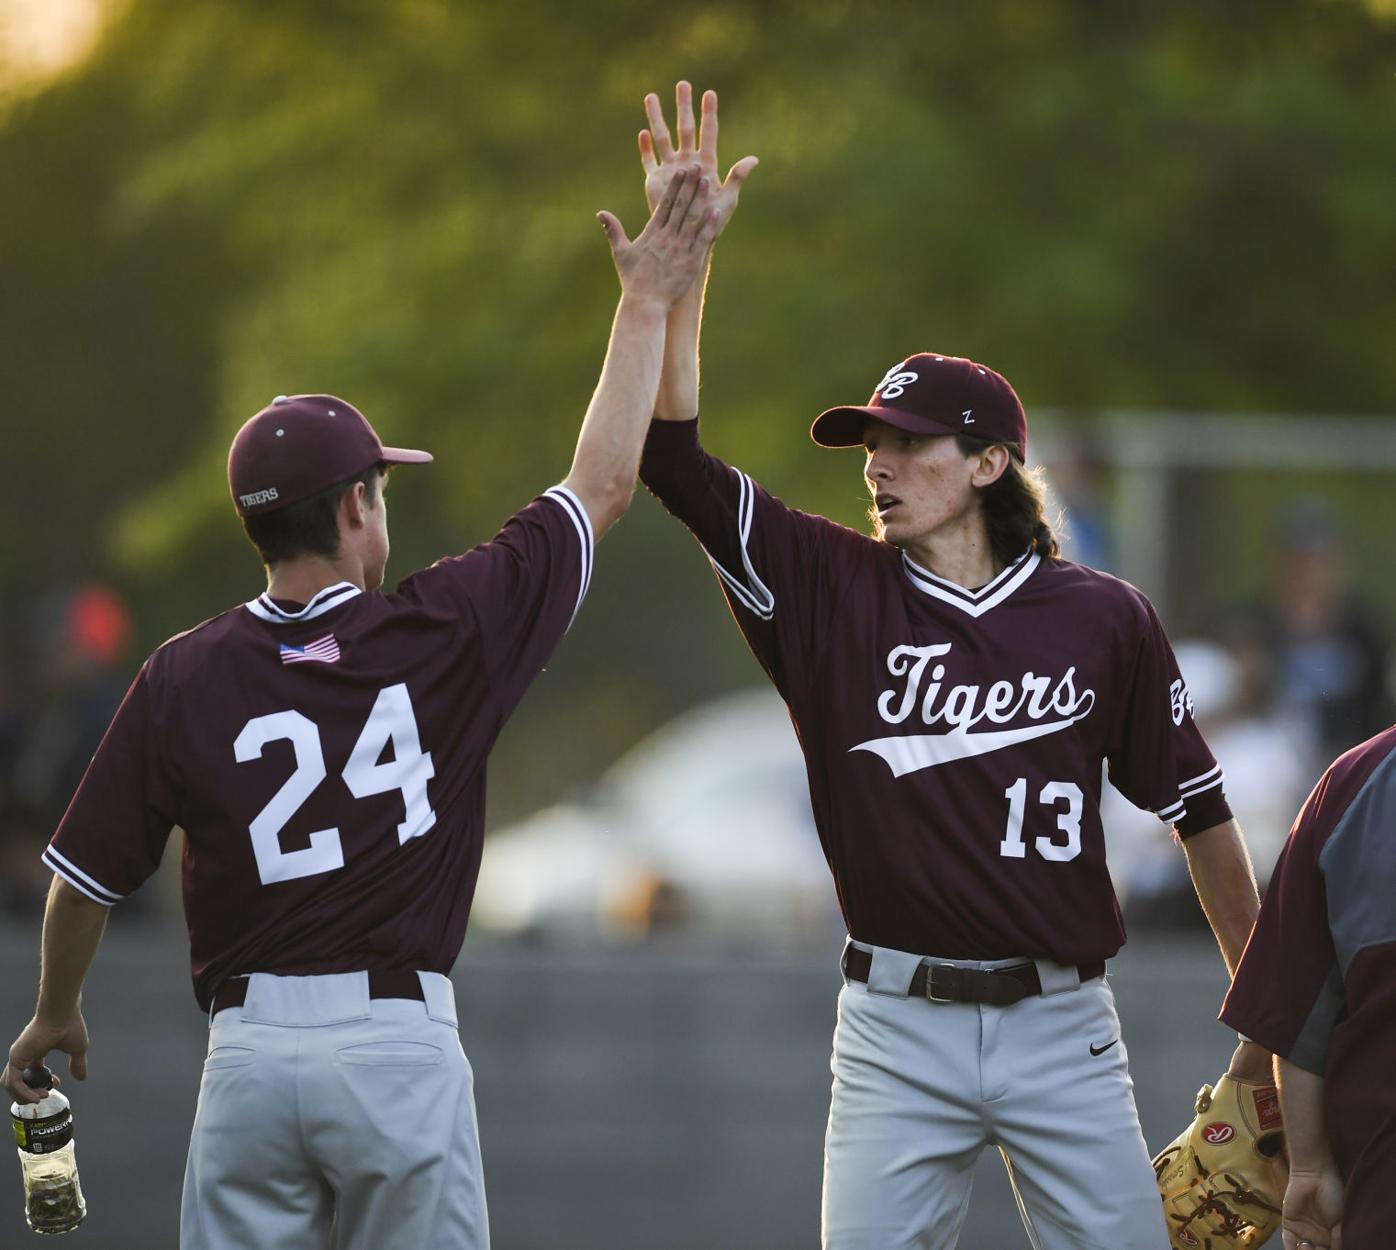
(353, 505)
(991, 465)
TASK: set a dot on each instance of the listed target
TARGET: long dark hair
(1015, 506)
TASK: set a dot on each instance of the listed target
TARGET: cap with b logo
(930, 394)
(299, 445)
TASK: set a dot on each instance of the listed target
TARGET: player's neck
(959, 552)
(301, 579)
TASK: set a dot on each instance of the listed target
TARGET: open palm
(661, 159)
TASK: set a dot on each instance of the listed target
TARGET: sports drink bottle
(53, 1201)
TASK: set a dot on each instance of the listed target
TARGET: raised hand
(667, 257)
(662, 160)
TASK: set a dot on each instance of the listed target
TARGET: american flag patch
(325, 649)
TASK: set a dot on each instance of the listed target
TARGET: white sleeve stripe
(752, 593)
(79, 880)
(1190, 791)
(581, 522)
(740, 592)
(759, 588)
(57, 859)
(1214, 771)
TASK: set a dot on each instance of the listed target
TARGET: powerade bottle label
(42, 1137)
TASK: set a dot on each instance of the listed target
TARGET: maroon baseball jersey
(1317, 983)
(326, 761)
(954, 738)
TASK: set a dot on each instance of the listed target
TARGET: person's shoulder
(848, 538)
(1340, 788)
(1111, 605)
(854, 553)
(444, 595)
(421, 586)
(1101, 590)
(190, 649)
(1361, 761)
(206, 633)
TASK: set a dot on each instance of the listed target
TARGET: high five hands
(662, 160)
(668, 255)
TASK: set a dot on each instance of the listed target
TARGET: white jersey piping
(265, 607)
(751, 592)
(581, 522)
(973, 602)
(78, 879)
(1189, 789)
(1196, 785)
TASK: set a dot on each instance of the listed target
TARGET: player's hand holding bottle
(33, 1045)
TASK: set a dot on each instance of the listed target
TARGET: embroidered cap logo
(894, 383)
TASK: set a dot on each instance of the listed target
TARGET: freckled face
(918, 482)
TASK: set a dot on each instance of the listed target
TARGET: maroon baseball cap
(930, 394)
(300, 444)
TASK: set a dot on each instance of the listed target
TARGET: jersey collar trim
(973, 602)
(331, 597)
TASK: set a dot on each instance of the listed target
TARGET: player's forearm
(1301, 1102)
(678, 383)
(73, 927)
(608, 447)
(1225, 882)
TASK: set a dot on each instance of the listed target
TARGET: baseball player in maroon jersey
(957, 689)
(323, 747)
(1317, 985)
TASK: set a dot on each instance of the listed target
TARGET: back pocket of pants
(229, 1057)
(391, 1054)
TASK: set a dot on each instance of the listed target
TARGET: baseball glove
(1223, 1178)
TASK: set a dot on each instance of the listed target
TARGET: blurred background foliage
(1182, 206)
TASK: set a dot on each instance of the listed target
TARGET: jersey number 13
(391, 721)
(1068, 822)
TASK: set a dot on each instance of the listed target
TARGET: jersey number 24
(391, 721)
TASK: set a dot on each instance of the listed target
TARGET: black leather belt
(945, 983)
(381, 984)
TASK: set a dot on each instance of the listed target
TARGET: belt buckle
(949, 971)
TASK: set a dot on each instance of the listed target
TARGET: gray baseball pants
(331, 1121)
(921, 1088)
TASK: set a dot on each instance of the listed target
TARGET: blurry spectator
(1328, 649)
(1074, 475)
(1299, 679)
(1266, 762)
(81, 640)
(650, 909)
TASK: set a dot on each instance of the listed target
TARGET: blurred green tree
(1132, 206)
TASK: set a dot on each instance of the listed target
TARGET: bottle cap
(38, 1077)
